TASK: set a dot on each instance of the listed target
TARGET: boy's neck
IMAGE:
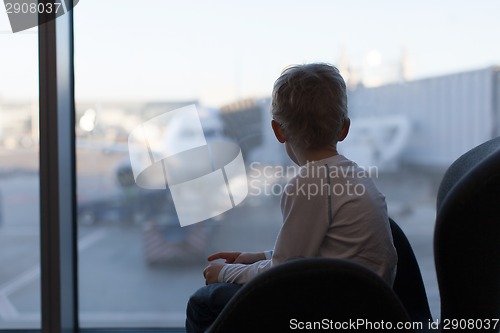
(306, 155)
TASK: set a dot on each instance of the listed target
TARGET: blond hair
(310, 103)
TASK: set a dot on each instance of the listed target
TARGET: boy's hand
(211, 273)
(238, 257)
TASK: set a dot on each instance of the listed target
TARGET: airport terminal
(136, 142)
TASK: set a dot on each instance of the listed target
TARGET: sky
(220, 51)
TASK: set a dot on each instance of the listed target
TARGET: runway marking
(7, 310)
(20, 281)
(171, 318)
(90, 240)
(159, 317)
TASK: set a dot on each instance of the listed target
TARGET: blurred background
(423, 89)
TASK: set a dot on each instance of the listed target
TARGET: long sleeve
(305, 223)
(241, 273)
(335, 214)
(305, 208)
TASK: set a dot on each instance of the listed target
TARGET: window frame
(59, 301)
(57, 157)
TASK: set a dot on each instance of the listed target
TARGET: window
(19, 190)
(414, 73)
(137, 63)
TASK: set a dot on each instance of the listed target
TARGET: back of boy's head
(310, 104)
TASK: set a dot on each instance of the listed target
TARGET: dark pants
(205, 305)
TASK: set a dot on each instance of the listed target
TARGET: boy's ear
(345, 129)
(278, 132)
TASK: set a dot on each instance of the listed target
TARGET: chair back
(467, 235)
(313, 290)
(408, 284)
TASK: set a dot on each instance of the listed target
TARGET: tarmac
(120, 287)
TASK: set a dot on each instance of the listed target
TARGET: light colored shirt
(331, 209)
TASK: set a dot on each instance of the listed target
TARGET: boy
(330, 209)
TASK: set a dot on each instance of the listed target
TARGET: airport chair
(408, 284)
(321, 290)
(467, 237)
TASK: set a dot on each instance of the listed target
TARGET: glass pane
(138, 66)
(19, 181)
